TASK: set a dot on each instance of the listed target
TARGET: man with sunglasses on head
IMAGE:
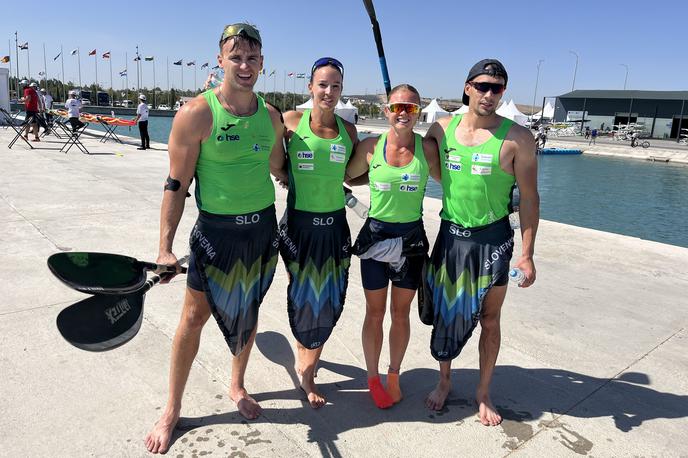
(484, 156)
(229, 140)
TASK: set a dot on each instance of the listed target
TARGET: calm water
(158, 129)
(648, 200)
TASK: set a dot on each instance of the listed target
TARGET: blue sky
(430, 44)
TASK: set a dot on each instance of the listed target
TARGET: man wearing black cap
(484, 156)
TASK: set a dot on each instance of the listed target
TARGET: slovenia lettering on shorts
(203, 242)
(498, 253)
(291, 246)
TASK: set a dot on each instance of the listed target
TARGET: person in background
(32, 105)
(593, 137)
(73, 107)
(142, 119)
(48, 104)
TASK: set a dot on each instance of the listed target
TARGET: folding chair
(18, 129)
(8, 119)
(109, 132)
(74, 140)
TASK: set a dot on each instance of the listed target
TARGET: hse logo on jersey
(228, 138)
(306, 155)
(477, 157)
(335, 148)
(452, 167)
(225, 137)
(408, 187)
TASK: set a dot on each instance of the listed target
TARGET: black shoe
(140, 147)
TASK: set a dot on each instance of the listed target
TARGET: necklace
(229, 107)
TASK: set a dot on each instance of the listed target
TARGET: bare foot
(487, 413)
(158, 440)
(248, 407)
(315, 398)
(435, 400)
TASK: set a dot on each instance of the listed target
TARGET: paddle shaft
(163, 268)
(378, 42)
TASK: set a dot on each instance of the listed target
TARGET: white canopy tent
(509, 110)
(343, 110)
(432, 112)
(462, 110)
(549, 112)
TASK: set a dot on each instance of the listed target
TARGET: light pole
(537, 79)
(626, 77)
(575, 70)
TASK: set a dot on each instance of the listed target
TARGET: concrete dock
(593, 359)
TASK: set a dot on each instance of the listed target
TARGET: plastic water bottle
(215, 78)
(356, 205)
(517, 276)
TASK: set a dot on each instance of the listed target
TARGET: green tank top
(233, 167)
(476, 189)
(396, 193)
(316, 168)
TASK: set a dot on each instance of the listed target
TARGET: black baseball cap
(491, 67)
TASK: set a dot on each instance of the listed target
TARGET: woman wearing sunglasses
(315, 238)
(392, 244)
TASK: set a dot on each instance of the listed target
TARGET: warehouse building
(661, 113)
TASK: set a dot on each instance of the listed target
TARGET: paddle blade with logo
(100, 322)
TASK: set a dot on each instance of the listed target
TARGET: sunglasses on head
(241, 29)
(409, 108)
(323, 61)
(496, 88)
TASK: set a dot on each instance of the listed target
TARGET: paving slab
(592, 360)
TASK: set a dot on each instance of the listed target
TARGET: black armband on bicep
(172, 185)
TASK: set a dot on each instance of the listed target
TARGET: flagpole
(9, 49)
(167, 64)
(95, 59)
(64, 90)
(195, 83)
(16, 45)
(78, 58)
(112, 89)
(28, 61)
(138, 83)
(295, 78)
(45, 69)
(154, 99)
(126, 72)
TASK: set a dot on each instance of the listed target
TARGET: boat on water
(562, 151)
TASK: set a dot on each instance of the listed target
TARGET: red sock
(378, 393)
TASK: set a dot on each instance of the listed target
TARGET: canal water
(641, 199)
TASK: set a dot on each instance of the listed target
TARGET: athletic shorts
(377, 275)
(464, 265)
(316, 250)
(31, 117)
(233, 260)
